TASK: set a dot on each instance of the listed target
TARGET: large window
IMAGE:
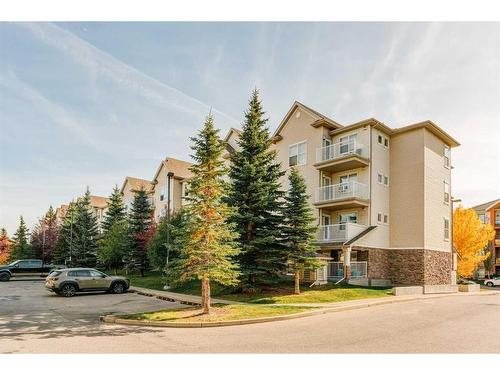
(347, 144)
(446, 229)
(297, 154)
(446, 192)
(446, 153)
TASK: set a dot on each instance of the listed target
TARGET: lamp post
(453, 251)
(170, 175)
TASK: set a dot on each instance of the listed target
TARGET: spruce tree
(63, 252)
(141, 226)
(44, 236)
(298, 228)
(256, 195)
(85, 233)
(209, 249)
(116, 210)
(21, 249)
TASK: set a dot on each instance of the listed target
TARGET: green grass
(218, 313)
(279, 292)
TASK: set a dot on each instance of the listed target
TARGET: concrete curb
(319, 311)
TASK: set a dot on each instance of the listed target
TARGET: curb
(113, 319)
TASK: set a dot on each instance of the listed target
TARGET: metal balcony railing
(335, 270)
(339, 232)
(352, 189)
(339, 150)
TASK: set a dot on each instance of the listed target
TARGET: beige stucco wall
(128, 196)
(407, 189)
(435, 173)
(299, 129)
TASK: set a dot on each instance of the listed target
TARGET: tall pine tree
(256, 196)
(141, 227)
(207, 254)
(21, 249)
(44, 236)
(298, 228)
(63, 252)
(116, 210)
(85, 234)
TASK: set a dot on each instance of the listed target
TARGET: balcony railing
(339, 232)
(339, 150)
(345, 190)
(335, 270)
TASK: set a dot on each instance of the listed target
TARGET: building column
(347, 262)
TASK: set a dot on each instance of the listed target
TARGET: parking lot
(27, 308)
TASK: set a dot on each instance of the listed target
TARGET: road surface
(35, 321)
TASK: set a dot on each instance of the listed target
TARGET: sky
(86, 104)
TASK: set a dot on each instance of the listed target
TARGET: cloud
(98, 62)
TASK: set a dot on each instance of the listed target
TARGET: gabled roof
(486, 206)
(136, 184)
(232, 130)
(180, 168)
(320, 118)
(368, 122)
(433, 128)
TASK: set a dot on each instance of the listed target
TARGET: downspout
(370, 183)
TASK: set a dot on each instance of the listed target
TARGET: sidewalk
(186, 299)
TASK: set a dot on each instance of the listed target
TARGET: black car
(26, 267)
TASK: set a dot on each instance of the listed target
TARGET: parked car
(67, 282)
(495, 281)
(26, 267)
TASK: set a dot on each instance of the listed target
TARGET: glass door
(326, 221)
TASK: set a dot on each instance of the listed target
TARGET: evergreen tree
(113, 246)
(5, 245)
(21, 249)
(85, 233)
(298, 228)
(167, 240)
(44, 236)
(63, 252)
(208, 252)
(141, 228)
(116, 210)
(256, 196)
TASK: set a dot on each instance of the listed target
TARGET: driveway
(452, 324)
(28, 309)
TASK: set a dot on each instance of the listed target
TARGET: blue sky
(90, 103)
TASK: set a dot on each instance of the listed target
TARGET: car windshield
(14, 263)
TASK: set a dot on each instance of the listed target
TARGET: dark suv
(26, 267)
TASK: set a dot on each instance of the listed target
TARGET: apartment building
(169, 186)
(98, 204)
(489, 213)
(381, 196)
(131, 186)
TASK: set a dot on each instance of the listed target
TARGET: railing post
(347, 263)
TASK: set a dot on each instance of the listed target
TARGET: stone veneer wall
(409, 266)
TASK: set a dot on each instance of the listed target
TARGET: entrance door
(327, 191)
(327, 150)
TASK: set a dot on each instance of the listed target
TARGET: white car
(492, 282)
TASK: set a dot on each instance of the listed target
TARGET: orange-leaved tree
(470, 237)
(4, 246)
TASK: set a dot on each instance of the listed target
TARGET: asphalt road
(34, 321)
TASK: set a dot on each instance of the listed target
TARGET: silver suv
(67, 282)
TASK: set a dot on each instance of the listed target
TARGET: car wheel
(68, 290)
(4, 276)
(118, 288)
(489, 283)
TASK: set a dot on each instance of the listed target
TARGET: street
(33, 320)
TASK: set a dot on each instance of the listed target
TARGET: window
(380, 140)
(347, 144)
(383, 141)
(163, 193)
(297, 154)
(386, 142)
(386, 181)
(379, 217)
(446, 192)
(380, 178)
(446, 229)
(94, 273)
(386, 219)
(482, 218)
(446, 156)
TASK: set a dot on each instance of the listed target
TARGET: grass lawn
(281, 292)
(218, 313)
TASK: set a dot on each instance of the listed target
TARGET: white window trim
(388, 182)
(445, 219)
(305, 153)
(444, 192)
(379, 214)
(382, 175)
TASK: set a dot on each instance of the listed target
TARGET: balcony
(335, 270)
(339, 232)
(341, 156)
(344, 195)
